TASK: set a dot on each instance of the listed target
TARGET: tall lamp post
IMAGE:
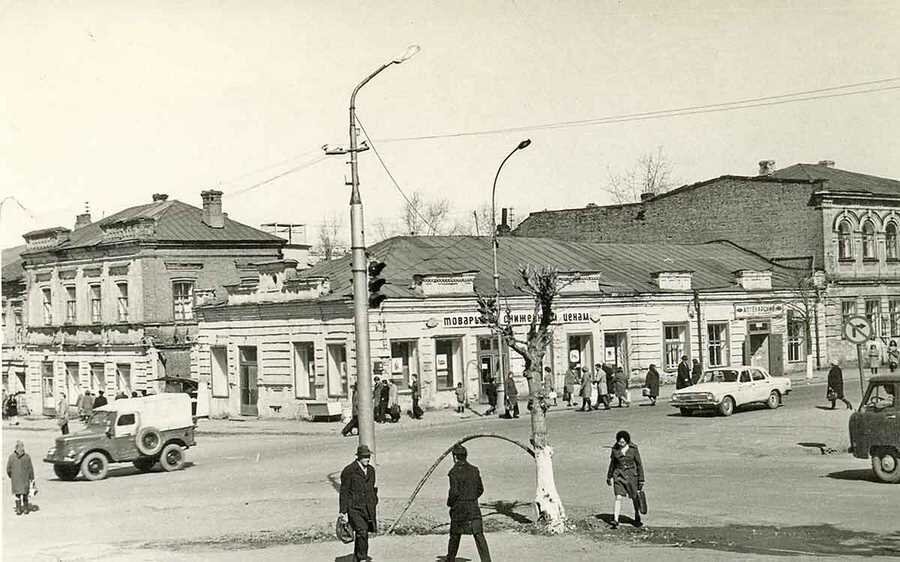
(501, 391)
(359, 268)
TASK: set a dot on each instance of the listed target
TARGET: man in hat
(21, 475)
(465, 515)
(358, 499)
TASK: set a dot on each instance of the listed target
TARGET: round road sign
(857, 329)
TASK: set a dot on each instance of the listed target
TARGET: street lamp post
(359, 268)
(501, 390)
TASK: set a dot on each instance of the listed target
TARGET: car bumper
(694, 404)
(59, 457)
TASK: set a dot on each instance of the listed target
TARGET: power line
(280, 175)
(269, 166)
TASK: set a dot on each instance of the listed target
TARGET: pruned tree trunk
(547, 503)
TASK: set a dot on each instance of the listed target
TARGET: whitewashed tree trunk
(547, 503)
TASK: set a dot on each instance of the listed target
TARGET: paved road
(711, 481)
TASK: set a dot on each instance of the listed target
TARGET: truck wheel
(65, 471)
(94, 466)
(144, 464)
(726, 408)
(172, 457)
(685, 411)
(774, 400)
(149, 441)
(886, 464)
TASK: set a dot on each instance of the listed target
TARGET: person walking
(460, 398)
(100, 400)
(696, 372)
(569, 384)
(625, 475)
(354, 415)
(393, 407)
(62, 413)
(602, 387)
(651, 383)
(490, 390)
(893, 355)
(621, 383)
(12, 409)
(416, 396)
(512, 397)
(385, 400)
(376, 400)
(86, 406)
(684, 374)
(874, 359)
(836, 385)
(358, 500)
(550, 385)
(462, 499)
(21, 476)
(586, 387)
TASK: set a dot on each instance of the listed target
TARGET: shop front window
(796, 343)
(581, 351)
(718, 344)
(447, 362)
(674, 344)
(337, 370)
(404, 362)
(304, 370)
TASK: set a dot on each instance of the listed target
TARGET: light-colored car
(725, 388)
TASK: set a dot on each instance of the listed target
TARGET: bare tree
(428, 217)
(808, 290)
(543, 285)
(652, 173)
(329, 234)
(482, 221)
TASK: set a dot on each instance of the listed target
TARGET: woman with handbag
(626, 476)
(651, 384)
(836, 386)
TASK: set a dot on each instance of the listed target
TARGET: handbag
(344, 531)
(831, 395)
(32, 488)
(642, 502)
(645, 391)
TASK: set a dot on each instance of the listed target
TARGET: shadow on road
(860, 474)
(335, 479)
(508, 509)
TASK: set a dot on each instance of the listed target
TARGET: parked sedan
(725, 388)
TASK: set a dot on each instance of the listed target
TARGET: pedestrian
(393, 401)
(5, 398)
(101, 400)
(134, 394)
(385, 399)
(460, 398)
(21, 476)
(62, 413)
(893, 355)
(550, 385)
(625, 475)
(684, 374)
(12, 409)
(610, 373)
(569, 381)
(376, 400)
(86, 406)
(490, 390)
(121, 394)
(358, 499)
(512, 397)
(416, 396)
(602, 387)
(462, 499)
(586, 388)
(651, 384)
(696, 372)
(836, 385)
(621, 383)
(354, 415)
(874, 359)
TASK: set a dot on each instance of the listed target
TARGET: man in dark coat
(385, 400)
(651, 383)
(465, 515)
(696, 372)
(836, 386)
(376, 401)
(684, 374)
(358, 499)
(354, 415)
(416, 396)
(21, 475)
(100, 400)
(490, 390)
(512, 397)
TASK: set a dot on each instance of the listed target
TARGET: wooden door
(249, 388)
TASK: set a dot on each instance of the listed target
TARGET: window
(126, 419)
(404, 361)
(848, 309)
(70, 304)
(47, 305)
(122, 301)
(745, 376)
(94, 291)
(757, 375)
(123, 378)
(17, 322)
(447, 362)
(873, 315)
(868, 240)
(337, 369)
(890, 241)
(881, 396)
(894, 309)
(845, 247)
(718, 344)
(796, 337)
(304, 370)
(581, 350)
(219, 372)
(674, 345)
(98, 378)
(183, 299)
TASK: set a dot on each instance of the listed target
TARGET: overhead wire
(279, 175)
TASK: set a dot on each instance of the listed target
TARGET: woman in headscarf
(21, 475)
(651, 383)
(625, 475)
(621, 384)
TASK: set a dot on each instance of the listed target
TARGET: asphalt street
(759, 483)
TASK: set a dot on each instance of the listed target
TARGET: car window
(757, 375)
(720, 376)
(881, 396)
(745, 376)
(126, 419)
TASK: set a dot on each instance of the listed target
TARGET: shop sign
(758, 310)
(518, 318)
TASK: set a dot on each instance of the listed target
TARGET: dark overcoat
(836, 381)
(20, 472)
(359, 496)
(651, 383)
(12, 406)
(684, 376)
(465, 489)
(626, 470)
(511, 391)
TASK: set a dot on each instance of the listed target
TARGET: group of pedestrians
(605, 384)
(385, 403)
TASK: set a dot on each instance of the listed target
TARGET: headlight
(710, 396)
(70, 454)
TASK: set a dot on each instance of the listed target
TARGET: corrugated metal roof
(12, 264)
(839, 180)
(624, 268)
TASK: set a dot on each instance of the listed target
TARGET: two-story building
(841, 224)
(273, 349)
(110, 304)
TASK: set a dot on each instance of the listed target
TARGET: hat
(363, 452)
(834, 362)
(460, 451)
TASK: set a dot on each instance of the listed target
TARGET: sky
(105, 103)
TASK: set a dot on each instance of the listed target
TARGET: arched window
(868, 240)
(890, 239)
(845, 249)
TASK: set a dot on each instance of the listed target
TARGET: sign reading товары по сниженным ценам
(518, 318)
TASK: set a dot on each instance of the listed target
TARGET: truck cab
(875, 427)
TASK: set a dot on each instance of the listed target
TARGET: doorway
(489, 364)
(581, 351)
(762, 348)
(249, 383)
(616, 350)
(47, 403)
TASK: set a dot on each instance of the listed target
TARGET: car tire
(94, 466)
(774, 400)
(144, 464)
(886, 465)
(726, 408)
(172, 457)
(686, 411)
(149, 441)
(66, 472)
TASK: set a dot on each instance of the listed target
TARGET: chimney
(212, 208)
(159, 197)
(84, 218)
(503, 228)
(827, 163)
(766, 167)
(647, 195)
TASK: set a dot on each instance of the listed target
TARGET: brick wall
(770, 217)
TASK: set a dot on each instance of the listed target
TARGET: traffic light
(376, 282)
